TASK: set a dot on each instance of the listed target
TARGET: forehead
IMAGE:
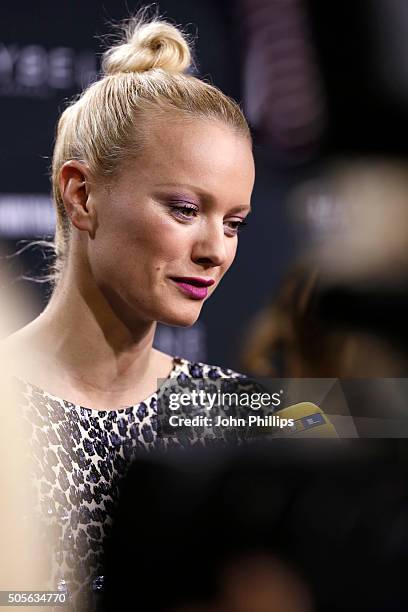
(203, 152)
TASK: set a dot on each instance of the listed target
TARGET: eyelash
(179, 211)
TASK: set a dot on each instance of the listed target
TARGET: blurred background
(263, 529)
(319, 286)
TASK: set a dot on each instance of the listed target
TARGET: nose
(210, 246)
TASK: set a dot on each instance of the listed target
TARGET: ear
(74, 186)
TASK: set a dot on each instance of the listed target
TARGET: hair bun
(148, 45)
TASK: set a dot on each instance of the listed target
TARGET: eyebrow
(243, 208)
(202, 193)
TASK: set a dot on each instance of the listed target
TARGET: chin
(181, 318)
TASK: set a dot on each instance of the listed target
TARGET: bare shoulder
(18, 353)
(11, 345)
(19, 339)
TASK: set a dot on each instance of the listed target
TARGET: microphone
(304, 420)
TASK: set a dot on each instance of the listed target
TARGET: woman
(152, 179)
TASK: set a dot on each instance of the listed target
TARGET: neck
(97, 349)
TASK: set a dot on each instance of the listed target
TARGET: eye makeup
(233, 227)
(184, 210)
(182, 198)
(185, 207)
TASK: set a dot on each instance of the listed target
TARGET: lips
(194, 287)
(194, 280)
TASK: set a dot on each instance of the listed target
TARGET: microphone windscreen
(309, 421)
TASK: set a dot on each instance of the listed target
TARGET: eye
(184, 210)
(234, 226)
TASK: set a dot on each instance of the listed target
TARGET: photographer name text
(230, 421)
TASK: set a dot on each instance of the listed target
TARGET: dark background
(357, 58)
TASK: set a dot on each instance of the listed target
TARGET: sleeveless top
(79, 457)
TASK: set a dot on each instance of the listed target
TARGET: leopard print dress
(79, 457)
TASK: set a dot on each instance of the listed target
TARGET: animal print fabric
(79, 457)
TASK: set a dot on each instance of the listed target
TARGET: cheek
(162, 242)
(144, 242)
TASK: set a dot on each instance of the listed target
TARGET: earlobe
(74, 186)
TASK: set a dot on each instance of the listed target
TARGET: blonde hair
(144, 75)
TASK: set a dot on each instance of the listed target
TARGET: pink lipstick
(194, 287)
